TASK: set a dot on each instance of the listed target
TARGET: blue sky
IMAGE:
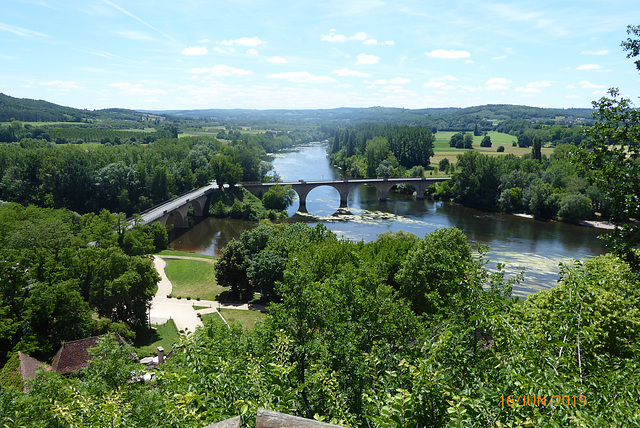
(188, 54)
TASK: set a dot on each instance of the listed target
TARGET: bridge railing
(155, 207)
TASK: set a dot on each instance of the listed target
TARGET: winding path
(181, 311)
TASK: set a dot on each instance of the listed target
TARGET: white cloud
(440, 83)
(136, 89)
(524, 90)
(364, 59)
(497, 84)
(396, 89)
(62, 85)
(400, 81)
(389, 42)
(220, 70)
(589, 67)
(277, 60)
(252, 52)
(301, 77)
(345, 72)
(334, 37)
(448, 54)
(442, 86)
(359, 36)
(498, 58)
(243, 41)
(585, 84)
(203, 41)
(533, 87)
(601, 52)
(195, 50)
(370, 42)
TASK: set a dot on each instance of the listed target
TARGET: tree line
(381, 149)
(545, 187)
(126, 178)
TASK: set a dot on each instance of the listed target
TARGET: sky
(265, 54)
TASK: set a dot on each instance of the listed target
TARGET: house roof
(29, 366)
(73, 356)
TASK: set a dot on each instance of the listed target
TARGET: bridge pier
(302, 187)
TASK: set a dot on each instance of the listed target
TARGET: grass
(193, 278)
(215, 317)
(442, 150)
(164, 335)
(184, 254)
(248, 319)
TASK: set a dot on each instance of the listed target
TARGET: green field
(442, 150)
(193, 278)
(164, 335)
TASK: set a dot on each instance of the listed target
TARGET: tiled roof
(73, 356)
(29, 366)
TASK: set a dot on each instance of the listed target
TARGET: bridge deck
(159, 211)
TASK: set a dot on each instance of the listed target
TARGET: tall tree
(613, 154)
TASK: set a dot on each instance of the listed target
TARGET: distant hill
(27, 110)
(458, 119)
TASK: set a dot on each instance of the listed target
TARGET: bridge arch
(326, 191)
(303, 187)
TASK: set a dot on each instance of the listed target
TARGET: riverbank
(605, 225)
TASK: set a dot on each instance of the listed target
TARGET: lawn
(248, 319)
(164, 335)
(193, 278)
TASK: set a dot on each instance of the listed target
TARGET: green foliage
(278, 197)
(363, 148)
(265, 270)
(344, 346)
(486, 142)
(574, 208)
(545, 187)
(612, 155)
(231, 269)
(436, 272)
(58, 269)
(10, 377)
(476, 183)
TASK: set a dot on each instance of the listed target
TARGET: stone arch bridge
(383, 185)
(178, 208)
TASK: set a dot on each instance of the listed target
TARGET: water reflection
(520, 243)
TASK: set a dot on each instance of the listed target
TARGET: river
(522, 244)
